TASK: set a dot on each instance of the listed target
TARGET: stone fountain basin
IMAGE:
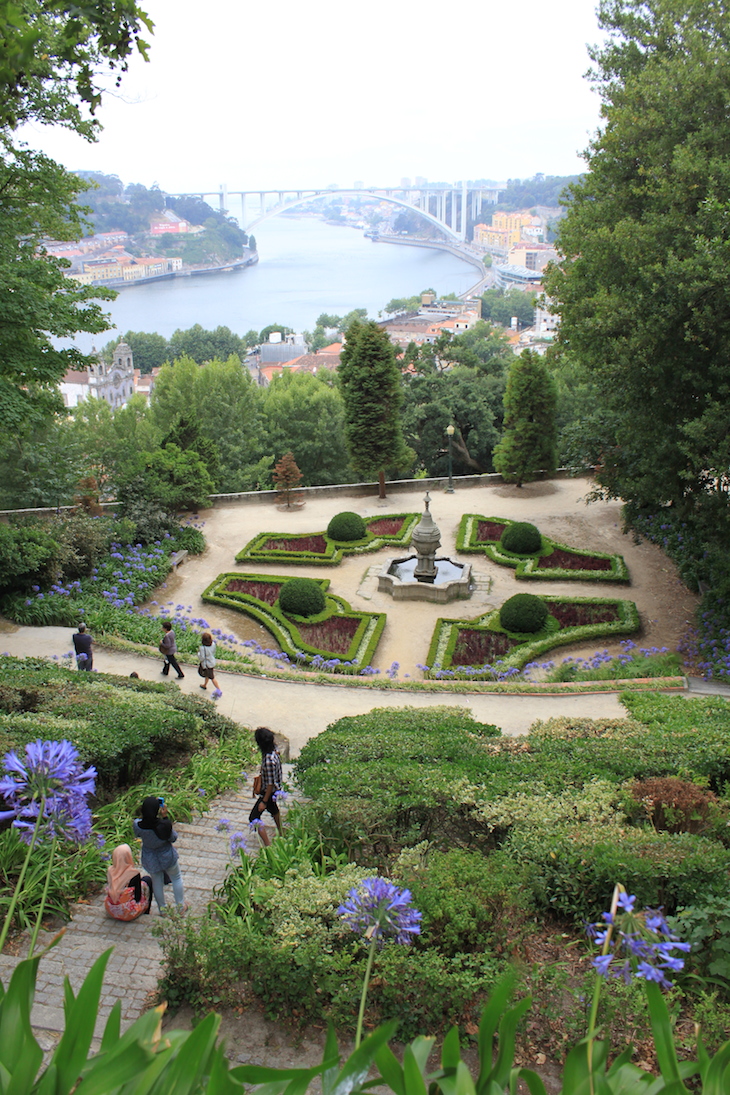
(452, 582)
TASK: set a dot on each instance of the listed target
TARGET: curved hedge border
(256, 551)
(446, 633)
(285, 629)
(527, 566)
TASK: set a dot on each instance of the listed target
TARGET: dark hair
(134, 675)
(264, 739)
(206, 638)
(150, 810)
(167, 625)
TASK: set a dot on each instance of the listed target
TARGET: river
(306, 267)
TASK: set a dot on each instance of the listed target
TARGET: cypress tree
(528, 444)
(372, 392)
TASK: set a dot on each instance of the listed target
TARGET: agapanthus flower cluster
(51, 783)
(378, 910)
(237, 842)
(640, 944)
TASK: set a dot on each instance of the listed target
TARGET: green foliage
(705, 925)
(571, 869)
(347, 526)
(523, 613)
(305, 413)
(385, 779)
(27, 555)
(528, 444)
(641, 289)
(521, 538)
(169, 479)
(301, 597)
(500, 306)
(372, 395)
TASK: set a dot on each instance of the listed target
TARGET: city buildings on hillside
(328, 358)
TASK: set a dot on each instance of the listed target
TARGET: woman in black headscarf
(159, 857)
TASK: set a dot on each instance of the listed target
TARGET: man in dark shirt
(82, 645)
(168, 647)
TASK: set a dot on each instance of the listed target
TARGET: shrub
(347, 526)
(301, 597)
(521, 538)
(572, 868)
(524, 613)
(674, 805)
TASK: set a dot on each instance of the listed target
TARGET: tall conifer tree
(372, 393)
(528, 445)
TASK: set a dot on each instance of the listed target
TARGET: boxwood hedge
(329, 551)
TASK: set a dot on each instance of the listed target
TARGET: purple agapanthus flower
(50, 783)
(378, 910)
(223, 825)
(637, 944)
(237, 842)
(255, 824)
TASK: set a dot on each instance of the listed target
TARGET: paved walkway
(135, 965)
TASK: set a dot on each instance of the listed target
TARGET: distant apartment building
(534, 256)
(509, 229)
(119, 265)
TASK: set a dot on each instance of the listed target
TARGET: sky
(294, 95)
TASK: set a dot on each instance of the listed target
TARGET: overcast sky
(295, 95)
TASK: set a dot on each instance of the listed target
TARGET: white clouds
(294, 94)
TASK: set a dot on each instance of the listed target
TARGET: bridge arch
(283, 206)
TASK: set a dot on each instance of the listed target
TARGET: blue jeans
(158, 885)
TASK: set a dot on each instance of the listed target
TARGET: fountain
(423, 576)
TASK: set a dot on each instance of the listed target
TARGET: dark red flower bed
(489, 531)
(332, 636)
(577, 615)
(480, 647)
(386, 526)
(316, 544)
(572, 560)
(264, 591)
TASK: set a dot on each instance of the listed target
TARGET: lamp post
(450, 434)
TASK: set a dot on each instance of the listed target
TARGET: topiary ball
(347, 526)
(521, 538)
(301, 597)
(524, 613)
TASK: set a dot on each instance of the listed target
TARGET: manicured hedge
(318, 549)
(481, 535)
(512, 650)
(357, 633)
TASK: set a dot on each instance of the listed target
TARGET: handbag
(201, 671)
(258, 786)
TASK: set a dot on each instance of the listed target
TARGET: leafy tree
(51, 72)
(169, 478)
(150, 350)
(287, 477)
(306, 414)
(40, 468)
(251, 339)
(357, 315)
(54, 57)
(202, 345)
(501, 306)
(481, 347)
(373, 396)
(466, 398)
(642, 290)
(272, 329)
(38, 304)
(252, 243)
(223, 403)
(528, 443)
(329, 322)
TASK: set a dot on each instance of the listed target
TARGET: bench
(178, 557)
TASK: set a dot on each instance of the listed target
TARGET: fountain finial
(427, 500)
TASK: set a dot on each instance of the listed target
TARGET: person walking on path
(159, 857)
(270, 784)
(206, 658)
(168, 647)
(82, 645)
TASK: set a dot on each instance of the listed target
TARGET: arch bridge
(447, 207)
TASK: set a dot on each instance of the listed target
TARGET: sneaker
(181, 676)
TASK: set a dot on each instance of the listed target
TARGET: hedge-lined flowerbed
(474, 646)
(318, 549)
(554, 561)
(340, 639)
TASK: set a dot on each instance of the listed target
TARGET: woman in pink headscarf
(128, 891)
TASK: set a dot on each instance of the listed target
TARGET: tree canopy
(528, 443)
(642, 289)
(371, 389)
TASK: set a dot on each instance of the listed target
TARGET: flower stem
(366, 982)
(41, 909)
(19, 884)
(593, 1016)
